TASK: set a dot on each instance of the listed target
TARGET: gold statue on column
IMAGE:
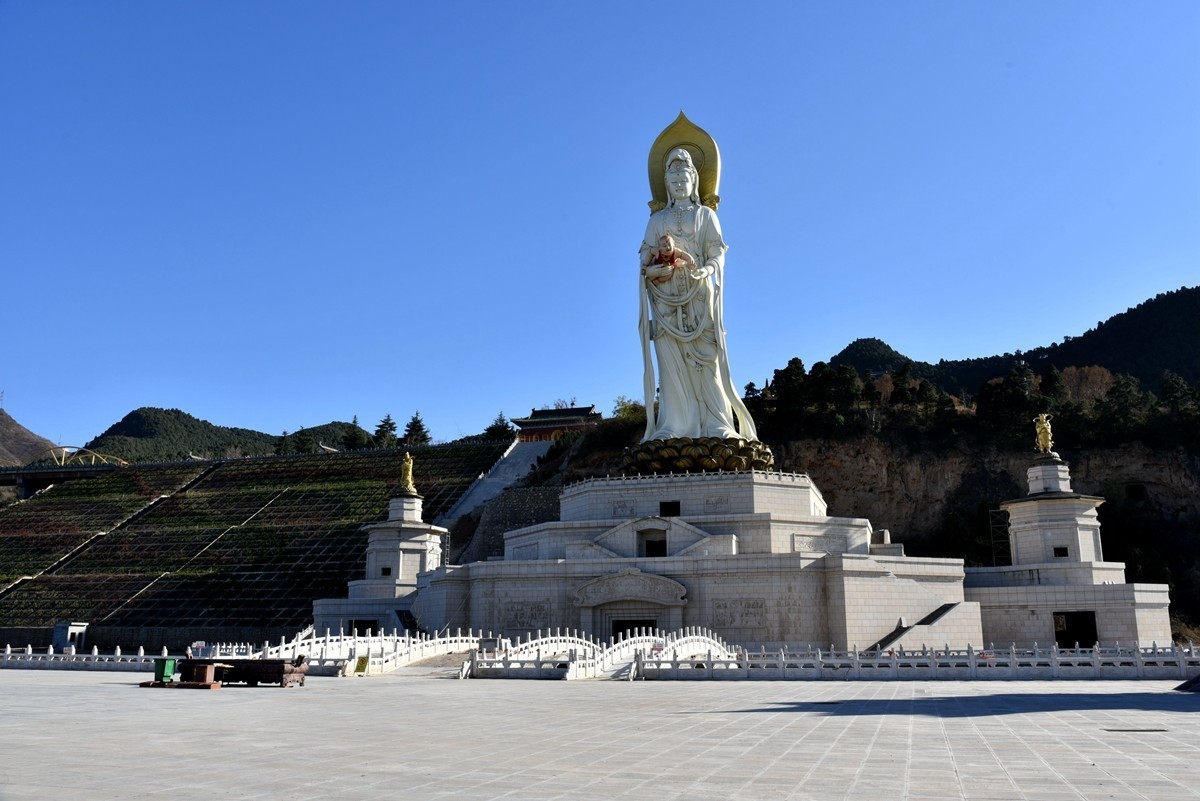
(406, 476)
(1045, 439)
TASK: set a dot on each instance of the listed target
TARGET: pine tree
(1053, 388)
(303, 442)
(355, 439)
(283, 444)
(416, 434)
(500, 429)
(385, 433)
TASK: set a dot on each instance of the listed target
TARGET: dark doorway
(1075, 627)
(359, 628)
(622, 629)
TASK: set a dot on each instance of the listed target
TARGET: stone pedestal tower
(398, 549)
(1058, 589)
(1052, 524)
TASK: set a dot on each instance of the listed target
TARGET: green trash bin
(164, 669)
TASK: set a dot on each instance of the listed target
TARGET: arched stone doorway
(617, 603)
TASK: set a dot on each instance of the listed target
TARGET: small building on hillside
(547, 425)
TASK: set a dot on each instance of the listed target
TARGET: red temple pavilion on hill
(547, 425)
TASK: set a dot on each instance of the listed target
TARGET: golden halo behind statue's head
(705, 156)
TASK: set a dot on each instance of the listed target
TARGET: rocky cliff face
(911, 494)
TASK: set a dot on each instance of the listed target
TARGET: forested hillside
(1158, 335)
(162, 435)
(150, 434)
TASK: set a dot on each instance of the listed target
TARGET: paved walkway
(421, 736)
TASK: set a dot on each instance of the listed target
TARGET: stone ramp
(443, 666)
(511, 468)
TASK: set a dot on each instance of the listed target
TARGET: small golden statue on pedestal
(1045, 439)
(406, 476)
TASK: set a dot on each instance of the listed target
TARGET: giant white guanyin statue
(681, 284)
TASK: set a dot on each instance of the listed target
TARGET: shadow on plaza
(992, 705)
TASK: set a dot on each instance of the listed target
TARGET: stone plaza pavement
(417, 734)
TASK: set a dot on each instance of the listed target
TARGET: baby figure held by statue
(666, 259)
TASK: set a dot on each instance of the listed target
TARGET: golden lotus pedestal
(695, 455)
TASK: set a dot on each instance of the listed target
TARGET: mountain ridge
(153, 434)
(1160, 334)
(17, 443)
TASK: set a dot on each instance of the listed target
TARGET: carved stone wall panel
(741, 613)
(820, 544)
(526, 615)
(716, 505)
(623, 508)
(631, 584)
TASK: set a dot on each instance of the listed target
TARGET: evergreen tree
(1176, 394)
(303, 442)
(1053, 388)
(499, 429)
(1123, 411)
(902, 393)
(385, 433)
(283, 444)
(847, 388)
(1006, 407)
(416, 435)
(789, 387)
(356, 438)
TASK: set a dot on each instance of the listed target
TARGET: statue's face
(680, 182)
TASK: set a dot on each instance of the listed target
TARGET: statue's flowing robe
(684, 318)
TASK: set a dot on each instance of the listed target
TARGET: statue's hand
(657, 270)
(700, 272)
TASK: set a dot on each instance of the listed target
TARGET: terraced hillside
(245, 544)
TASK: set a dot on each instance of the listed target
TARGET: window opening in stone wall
(1061, 552)
(385, 571)
(668, 509)
(652, 542)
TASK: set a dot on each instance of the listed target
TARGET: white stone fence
(691, 653)
(348, 654)
(68, 659)
(328, 655)
(571, 656)
(1118, 662)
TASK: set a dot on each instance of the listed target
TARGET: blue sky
(274, 215)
